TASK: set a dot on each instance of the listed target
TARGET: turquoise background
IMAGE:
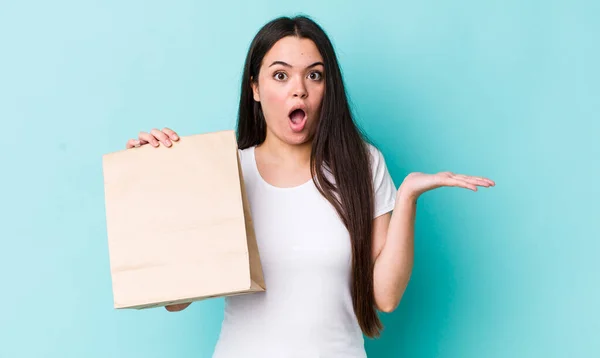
(504, 89)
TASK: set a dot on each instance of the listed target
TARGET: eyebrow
(288, 65)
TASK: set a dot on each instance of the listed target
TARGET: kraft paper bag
(178, 223)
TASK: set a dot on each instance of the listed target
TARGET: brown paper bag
(178, 223)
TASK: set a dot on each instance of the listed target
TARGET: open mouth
(298, 119)
(297, 116)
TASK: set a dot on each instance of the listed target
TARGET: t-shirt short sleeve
(383, 184)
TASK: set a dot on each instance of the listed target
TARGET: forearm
(394, 264)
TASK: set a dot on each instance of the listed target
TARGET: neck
(293, 154)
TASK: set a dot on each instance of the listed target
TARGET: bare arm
(393, 234)
(393, 251)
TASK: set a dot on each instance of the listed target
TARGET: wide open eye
(280, 76)
(315, 75)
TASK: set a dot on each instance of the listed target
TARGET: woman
(321, 198)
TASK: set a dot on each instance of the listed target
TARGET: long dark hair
(338, 143)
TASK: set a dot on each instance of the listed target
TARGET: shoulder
(376, 158)
(246, 157)
(245, 154)
(383, 184)
(245, 150)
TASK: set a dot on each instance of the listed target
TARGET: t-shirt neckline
(269, 185)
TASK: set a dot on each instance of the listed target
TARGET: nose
(300, 89)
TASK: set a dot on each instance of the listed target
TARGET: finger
(177, 307)
(132, 143)
(149, 138)
(171, 133)
(473, 180)
(457, 182)
(162, 137)
(476, 180)
(491, 182)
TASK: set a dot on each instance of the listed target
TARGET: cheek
(317, 97)
(273, 102)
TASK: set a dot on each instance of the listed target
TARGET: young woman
(321, 198)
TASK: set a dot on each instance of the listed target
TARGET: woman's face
(290, 89)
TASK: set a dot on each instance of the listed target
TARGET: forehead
(294, 51)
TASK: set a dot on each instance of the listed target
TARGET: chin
(287, 136)
(297, 138)
(303, 137)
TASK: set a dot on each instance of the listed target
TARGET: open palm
(418, 183)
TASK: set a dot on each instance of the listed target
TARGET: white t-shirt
(305, 252)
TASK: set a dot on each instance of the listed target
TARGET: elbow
(387, 306)
(388, 301)
(387, 298)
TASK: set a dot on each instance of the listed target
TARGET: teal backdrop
(504, 89)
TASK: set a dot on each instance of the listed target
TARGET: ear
(255, 93)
